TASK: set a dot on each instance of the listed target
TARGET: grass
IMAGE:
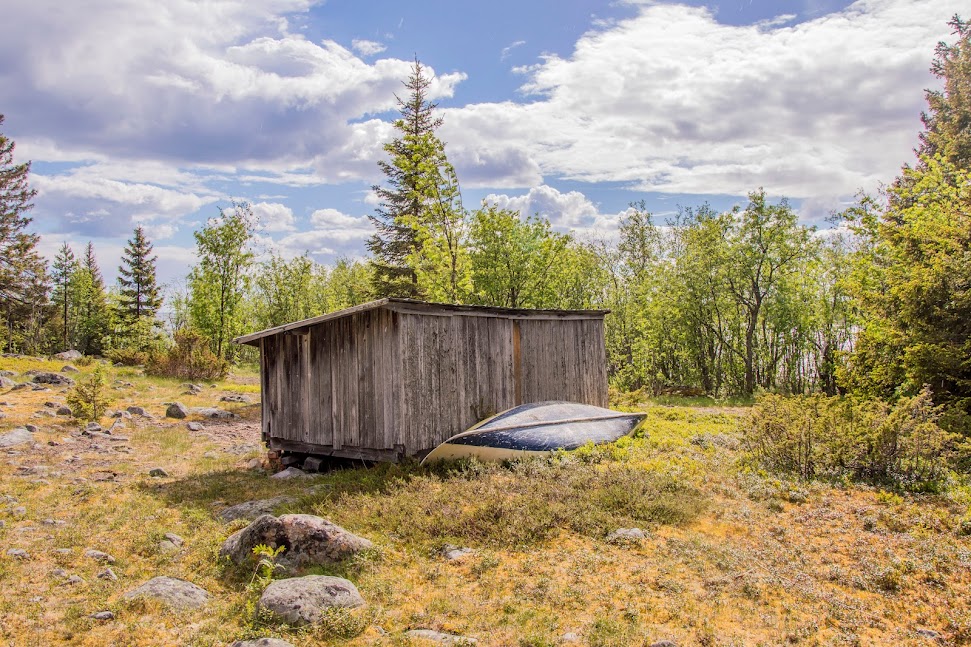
(732, 556)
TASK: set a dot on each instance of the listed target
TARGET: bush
(189, 359)
(89, 399)
(128, 356)
(812, 436)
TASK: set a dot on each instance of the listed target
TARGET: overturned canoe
(537, 429)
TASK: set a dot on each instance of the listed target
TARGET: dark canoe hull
(536, 430)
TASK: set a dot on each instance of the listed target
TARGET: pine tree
(64, 268)
(139, 299)
(417, 163)
(23, 273)
(947, 122)
(93, 313)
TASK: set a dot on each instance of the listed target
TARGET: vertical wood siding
(383, 379)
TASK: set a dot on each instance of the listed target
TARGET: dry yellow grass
(732, 557)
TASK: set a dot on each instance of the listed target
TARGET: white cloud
(671, 100)
(571, 211)
(340, 226)
(367, 47)
(274, 216)
(507, 50)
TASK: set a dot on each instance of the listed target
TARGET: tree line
(721, 303)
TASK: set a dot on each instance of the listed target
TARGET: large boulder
(303, 600)
(309, 540)
(177, 410)
(172, 592)
(250, 510)
(52, 378)
(17, 436)
(69, 355)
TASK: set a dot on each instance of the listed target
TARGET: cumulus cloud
(274, 216)
(367, 47)
(340, 226)
(672, 100)
(571, 211)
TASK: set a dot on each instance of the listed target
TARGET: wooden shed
(396, 377)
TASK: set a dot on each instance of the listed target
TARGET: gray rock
(570, 637)
(453, 553)
(664, 643)
(32, 428)
(236, 397)
(102, 615)
(626, 536)
(438, 636)
(22, 385)
(121, 415)
(177, 410)
(67, 368)
(158, 472)
(166, 546)
(108, 574)
(92, 426)
(53, 378)
(137, 411)
(173, 592)
(194, 426)
(74, 579)
(210, 455)
(69, 355)
(254, 464)
(213, 413)
(6, 374)
(290, 473)
(42, 414)
(250, 510)
(309, 540)
(930, 634)
(262, 642)
(174, 538)
(6, 383)
(18, 553)
(15, 437)
(99, 556)
(64, 411)
(303, 600)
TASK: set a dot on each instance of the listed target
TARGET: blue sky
(156, 114)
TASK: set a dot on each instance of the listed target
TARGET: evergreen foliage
(62, 275)
(139, 297)
(90, 398)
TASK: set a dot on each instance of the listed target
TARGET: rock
(213, 413)
(174, 538)
(64, 411)
(22, 385)
(309, 540)
(664, 643)
(74, 579)
(250, 510)
(194, 426)
(176, 410)
(137, 411)
(121, 415)
(570, 637)
(59, 573)
(69, 355)
(930, 634)
(312, 464)
(53, 378)
(18, 553)
(254, 464)
(438, 636)
(92, 426)
(67, 368)
(626, 536)
(108, 574)
(173, 592)
(102, 615)
(43, 414)
(6, 383)
(303, 600)
(210, 455)
(166, 546)
(16, 437)
(99, 556)
(235, 398)
(6, 374)
(290, 473)
(453, 553)
(262, 642)
(158, 472)
(32, 428)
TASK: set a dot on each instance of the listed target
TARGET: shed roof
(424, 307)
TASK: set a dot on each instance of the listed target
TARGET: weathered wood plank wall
(384, 381)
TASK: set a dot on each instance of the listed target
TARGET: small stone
(166, 546)
(158, 472)
(438, 636)
(290, 473)
(18, 553)
(62, 551)
(64, 411)
(570, 637)
(626, 536)
(235, 398)
(121, 415)
(930, 634)
(453, 553)
(254, 464)
(664, 643)
(194, 426)
(108, 574)
(32, 428)
(176, 410)
(69, 355)
(68, 368)
(74, 579)
(137, 411)
(174, 538)
(173, 592)
(92, 426)
(53, 522)
(6, 382)
(59, 572)
(19, 511)
(262, 642)
(102, 615)
(99, 556)
(210, 455)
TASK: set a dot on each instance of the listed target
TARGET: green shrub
(128, 356)
(189, 359)
(89, 399)
(816, 436)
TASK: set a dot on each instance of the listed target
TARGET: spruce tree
(138, 299)
(415, 154)
(23, 273)
(93, 313)
(64, 268)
